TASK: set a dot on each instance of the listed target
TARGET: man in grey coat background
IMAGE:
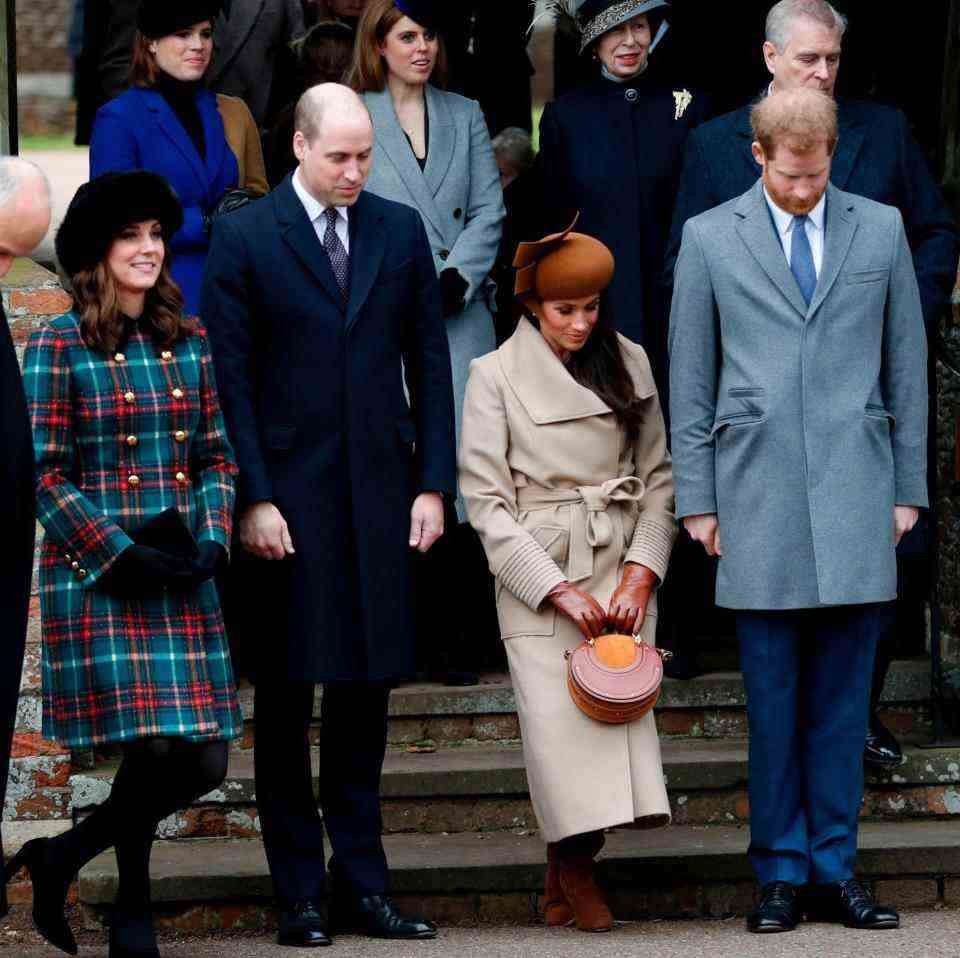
(799, 411)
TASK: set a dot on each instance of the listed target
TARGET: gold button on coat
(133, 481)
(177, 393)
(166, 355)
(129, 396)
(132, 440)
(81, 573)
(181, 477)
(75, 566)
(120, 358)
(180, 436)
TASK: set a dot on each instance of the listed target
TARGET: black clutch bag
(169, 533)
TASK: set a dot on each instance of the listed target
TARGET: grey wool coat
(800, 427)
(459, 198)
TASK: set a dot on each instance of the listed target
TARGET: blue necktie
(801, 259)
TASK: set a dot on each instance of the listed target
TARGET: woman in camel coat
(570, 489)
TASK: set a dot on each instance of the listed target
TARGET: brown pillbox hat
(563, 265)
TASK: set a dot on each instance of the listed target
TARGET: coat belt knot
(590, 525)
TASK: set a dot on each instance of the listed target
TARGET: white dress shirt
(315, 210)
(814, 226)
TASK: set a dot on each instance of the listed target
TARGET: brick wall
(43, 27)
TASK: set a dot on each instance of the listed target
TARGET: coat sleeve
(115, 149)
(656, 528)
(931, 229)
(211, 458)
(227, 315)
(475, 250)
(694, 362)
(517, 560)
(84, 532)
(429, 377)
(905, 375)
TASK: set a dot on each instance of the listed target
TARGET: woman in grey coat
(433, 153)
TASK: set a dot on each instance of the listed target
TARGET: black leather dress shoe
(378, 917)
(881, 750)
(778, 909)
(303, 926)
(849, 903)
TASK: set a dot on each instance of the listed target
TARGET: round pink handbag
(615, 678)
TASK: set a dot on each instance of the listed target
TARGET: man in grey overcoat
(799, 410)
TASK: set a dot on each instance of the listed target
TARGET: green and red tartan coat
(118, 439)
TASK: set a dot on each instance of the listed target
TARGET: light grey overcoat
(800, 427)
(458, 195)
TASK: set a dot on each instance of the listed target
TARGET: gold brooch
(683, 99)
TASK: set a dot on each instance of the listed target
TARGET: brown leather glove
(581, 608)
(628, 606)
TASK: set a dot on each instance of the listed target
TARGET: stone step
(681, 871)
(485, 789)
(709, 706)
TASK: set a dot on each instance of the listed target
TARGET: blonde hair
(803, 118)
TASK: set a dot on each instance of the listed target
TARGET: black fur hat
(160, 18)
(104, 206)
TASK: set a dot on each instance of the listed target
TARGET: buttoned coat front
(556, 490)
(459, 198)
(118, 439)
(799, 426)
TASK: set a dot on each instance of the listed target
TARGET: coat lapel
(841, 227)
(395, 149)
(848, 148)
(235, 30)
(368, 243)
(545, 389)
(443, 140)
(300, 236)
(756, 229)
(174, 130)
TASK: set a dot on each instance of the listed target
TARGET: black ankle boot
(50, 887)
(132, 934)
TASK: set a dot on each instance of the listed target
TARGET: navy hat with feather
(427, 13)
(597, 17)
(102, 208)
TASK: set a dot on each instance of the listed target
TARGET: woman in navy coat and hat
(135, 492)
(613, 150)
(205, 145)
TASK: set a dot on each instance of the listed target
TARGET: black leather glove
(231, 201)
(453, 290)
(141, 572)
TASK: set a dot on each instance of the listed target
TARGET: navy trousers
(353, 741)
(807, 675)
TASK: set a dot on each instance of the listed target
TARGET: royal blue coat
(139, 131)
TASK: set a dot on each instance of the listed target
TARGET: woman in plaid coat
(127, 425)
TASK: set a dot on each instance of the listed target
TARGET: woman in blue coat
(205, 145)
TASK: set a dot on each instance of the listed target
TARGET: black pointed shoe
(881, 749)
(377, 917)
(778, 910)
(850, 904)
(49, 892)
(303, 926)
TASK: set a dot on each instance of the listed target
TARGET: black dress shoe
(50, 889)
(303, 926)
(849, 903)
(378, 917)
(778, 909)
(881, 750)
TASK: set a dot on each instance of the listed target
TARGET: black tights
(157, 777)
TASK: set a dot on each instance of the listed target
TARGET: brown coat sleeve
(244, 139)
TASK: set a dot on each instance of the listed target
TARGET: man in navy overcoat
(876, 157)
(24, 218)
(320, 299)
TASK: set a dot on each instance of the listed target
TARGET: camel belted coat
(557, 491)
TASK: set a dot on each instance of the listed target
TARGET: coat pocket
(859, 276)
(517, 618)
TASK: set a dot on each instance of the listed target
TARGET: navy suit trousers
(807, 675)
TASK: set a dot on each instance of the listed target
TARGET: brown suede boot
(556, 909)
(575, 859)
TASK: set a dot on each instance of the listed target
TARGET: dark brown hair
(599, 367)
(97, 302)
(368, 72)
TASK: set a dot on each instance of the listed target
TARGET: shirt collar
(784, 220)
(315, 209)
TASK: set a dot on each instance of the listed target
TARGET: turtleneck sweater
(182, 97)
